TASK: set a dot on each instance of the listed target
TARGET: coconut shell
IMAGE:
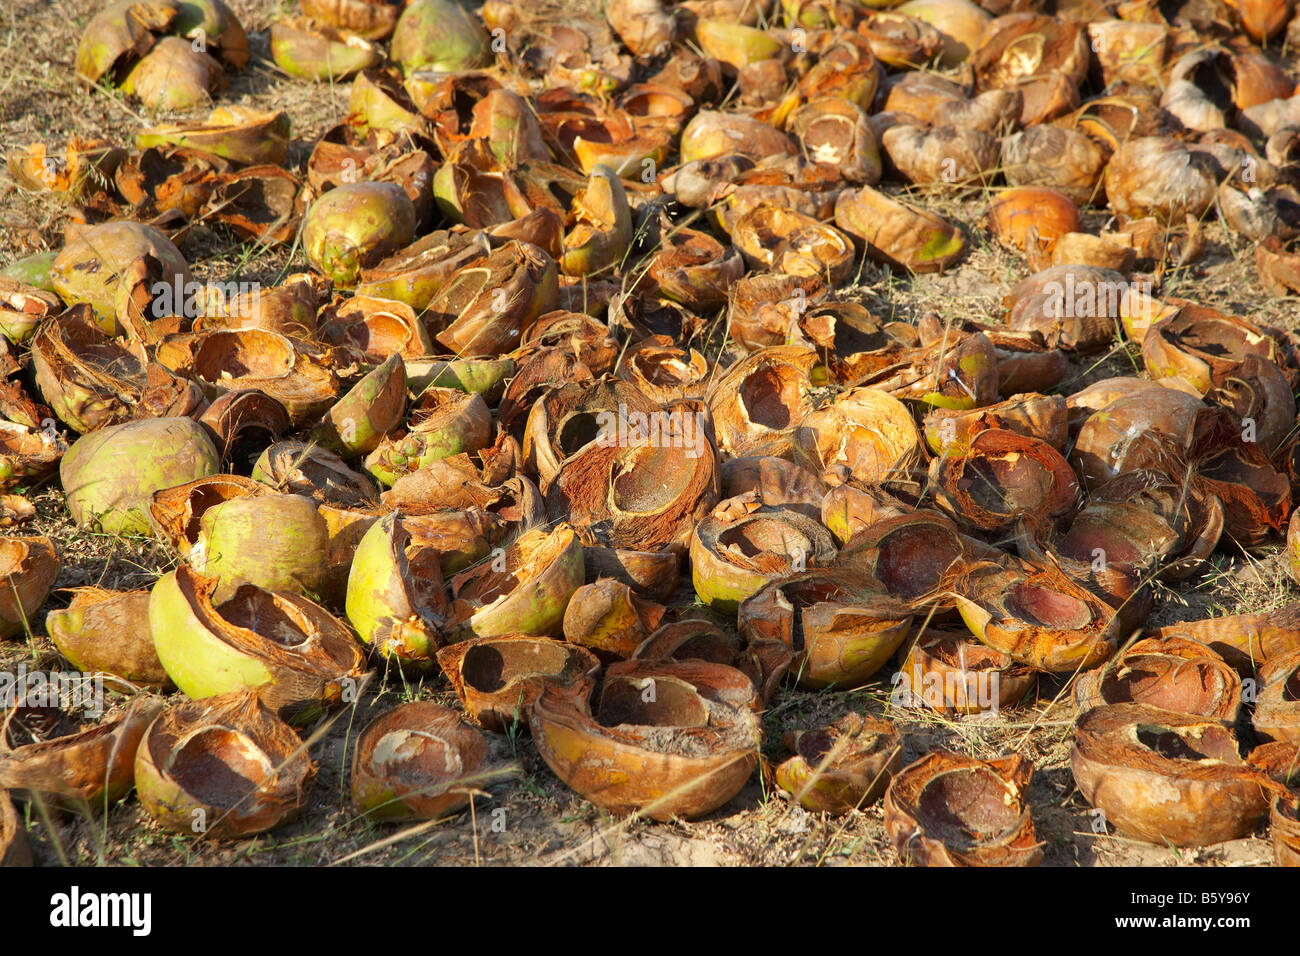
(842, 767)
(954, 675)
(1166, 778)
(108, 631)
(222, 768)
(498, 679)
(840, 628)
(418, 761)
(1036, 615)
(949, 810)
(296, 656)
(77, 768)
(666, 739)
(1174, 674)
(1277, 705)
(743, 545)
(15, 849)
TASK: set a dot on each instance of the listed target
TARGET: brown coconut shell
(950, 810)
(664, 739)
(1167, 778)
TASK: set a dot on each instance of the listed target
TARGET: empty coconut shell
(498, 679)
(1002, 477)
(610, 618)
(1166, 778)
(15, 849)
(1032, 217)
(1173, 673)
(1158, 176)
(395, 597)
(949, 810)
(1277, 704)
(1244, 640)
(1036, 615)
(666, 739)
(523, 590)
(743, 545)
(293, 653)
(644, 481)
(869, 432)
(840, 628)
(46, 754)
(902, 236)
(952, 674)
(108, 631)
(30, 567)
(842, 767)
(225, 767)
(418, 761)
(910, 553)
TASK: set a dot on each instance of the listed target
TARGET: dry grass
(544, 822)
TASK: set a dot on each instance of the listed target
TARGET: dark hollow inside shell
(1168, 742)
(659, 702)
(964, 808)
(489, 667)
(220, 767)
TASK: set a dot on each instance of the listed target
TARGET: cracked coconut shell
(15, 849)
(295, 655)
(29, 566)
(395, 597)
(945, 671)
(1035, 615)
(1277, 705)
(1166, 778)
(524, 590)
(840, 628)
(108, 631)
(47, 754)
(950, 810)
(1172, 673)
(498, 679)
(1002, 477)
(743, 545)
(843, 767)
(665, 739)
(223, 768)
(418, 761)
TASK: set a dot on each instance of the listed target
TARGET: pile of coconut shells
(576, 404)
